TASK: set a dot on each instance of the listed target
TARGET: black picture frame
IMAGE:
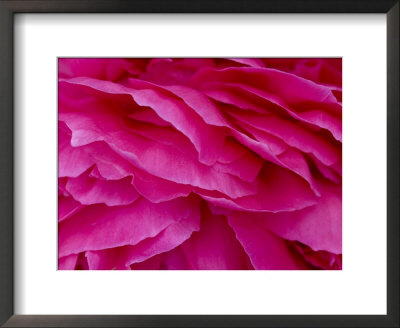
(10, 7)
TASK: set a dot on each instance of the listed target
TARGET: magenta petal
(158, 190)
(82, 263)
(326, 121)
(252, 62)
(238, 160)
(323, 70)
(265, 250)
(196, 100)
(275, 145)
(67, 262)
(89, 190)
(98, 226)
(295, 161)
(163, 135)
(320, 259)
(326, 171)
(154, 157)
(229, 94)
(109, 164)
(232, 151)
(308, 113)
(175, 260)
(293, 89)
(121, 258)
(167, 71)
(246, 168)
(215, 246)
(148, 116)
(71, 161)
(286, 157)
(171, 237)
(200, 163)
(101, 68)
(279, 190)
(292, 134)
(318, 226)
(207, 139)
(153, 263)
(94, 67)
(67, 206)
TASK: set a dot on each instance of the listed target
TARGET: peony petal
(167, 71)
(67, 206)
(164, 135)
(320, 259)
(232, 151)
(157, 189)
(153, 263)
(207, 139)
(279, 190)
(289, 158)
(98, 226)
(293, 89)
(197, 101)
(72, 161)
(265, 250)
(215, 246)
(318, 226)
(232, 94)
(171, 237)
(109, 164)
(82, 264)
(292, 134)
(322, 70)
(200, 163)
(275, 145)
(295, 161)
(252, 62)
(307, 112)
(246, 168)
(326, 171)
(153, 157)
(175, 260)
(121, 258)
(101, 68)
(188, 95)
(149, 116)
(67, 262)
(89, 190)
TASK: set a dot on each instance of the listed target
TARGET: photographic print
(199, 163)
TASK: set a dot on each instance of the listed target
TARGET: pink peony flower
(200, 163)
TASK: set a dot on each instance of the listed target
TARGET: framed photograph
(204, 164)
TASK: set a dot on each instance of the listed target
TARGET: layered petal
(318, 226)
(207, 139)
(88, 190)
(67, 262)
(215, 246)
(153, 157)
(99, 227)
(123, 257)
(200, 163)
(265, 250)
(279, 190)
